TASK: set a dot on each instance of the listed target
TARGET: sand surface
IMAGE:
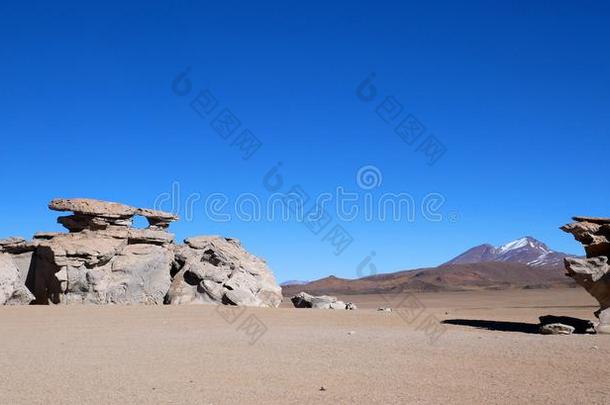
(199, 355)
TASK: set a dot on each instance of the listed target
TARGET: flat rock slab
(594, 220)
(155, 214)
(88, 206)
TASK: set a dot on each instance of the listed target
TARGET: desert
(186, 354)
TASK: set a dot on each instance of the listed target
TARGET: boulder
(556, 329)
(304, 300)
(218, 270)
(592, 272)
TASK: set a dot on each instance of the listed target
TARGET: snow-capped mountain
(526, 250)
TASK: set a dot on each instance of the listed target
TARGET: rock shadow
(502, 326)
(581, 326)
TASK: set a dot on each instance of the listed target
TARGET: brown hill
(450, 277)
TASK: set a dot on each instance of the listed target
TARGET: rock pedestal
(593, 272)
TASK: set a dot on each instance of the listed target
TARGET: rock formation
(215, 269)
(12, 286)
(104, 260)
(304, 300)
(592, 272)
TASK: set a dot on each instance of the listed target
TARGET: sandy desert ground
(200, 355)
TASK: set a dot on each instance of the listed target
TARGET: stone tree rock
(593, 272)
(104, 260)
(213, 270)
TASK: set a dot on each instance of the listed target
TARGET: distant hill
(293, 282)
(524, 263)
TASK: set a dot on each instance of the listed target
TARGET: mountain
(526, 250)
(449, 277)
(523, 263)
(293, 282)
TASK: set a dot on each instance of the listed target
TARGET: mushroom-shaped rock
(593, 273)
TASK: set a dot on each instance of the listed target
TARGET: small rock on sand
(556, 329)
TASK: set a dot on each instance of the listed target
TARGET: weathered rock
(593, 235)
(101, 215)
(46, 235)
(215, 270)
(556, 329)
(11, 243)
(78, 222)
(12, 288)
(304, 300)
(140, 274)
(592, 273)
(94, 208)
(157, 219)
(587, 270)
(604, 321)
(104, 260)
(152, 236)
(593, 220)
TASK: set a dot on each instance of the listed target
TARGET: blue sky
(517, 93)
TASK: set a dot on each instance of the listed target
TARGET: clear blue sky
(519, 94)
